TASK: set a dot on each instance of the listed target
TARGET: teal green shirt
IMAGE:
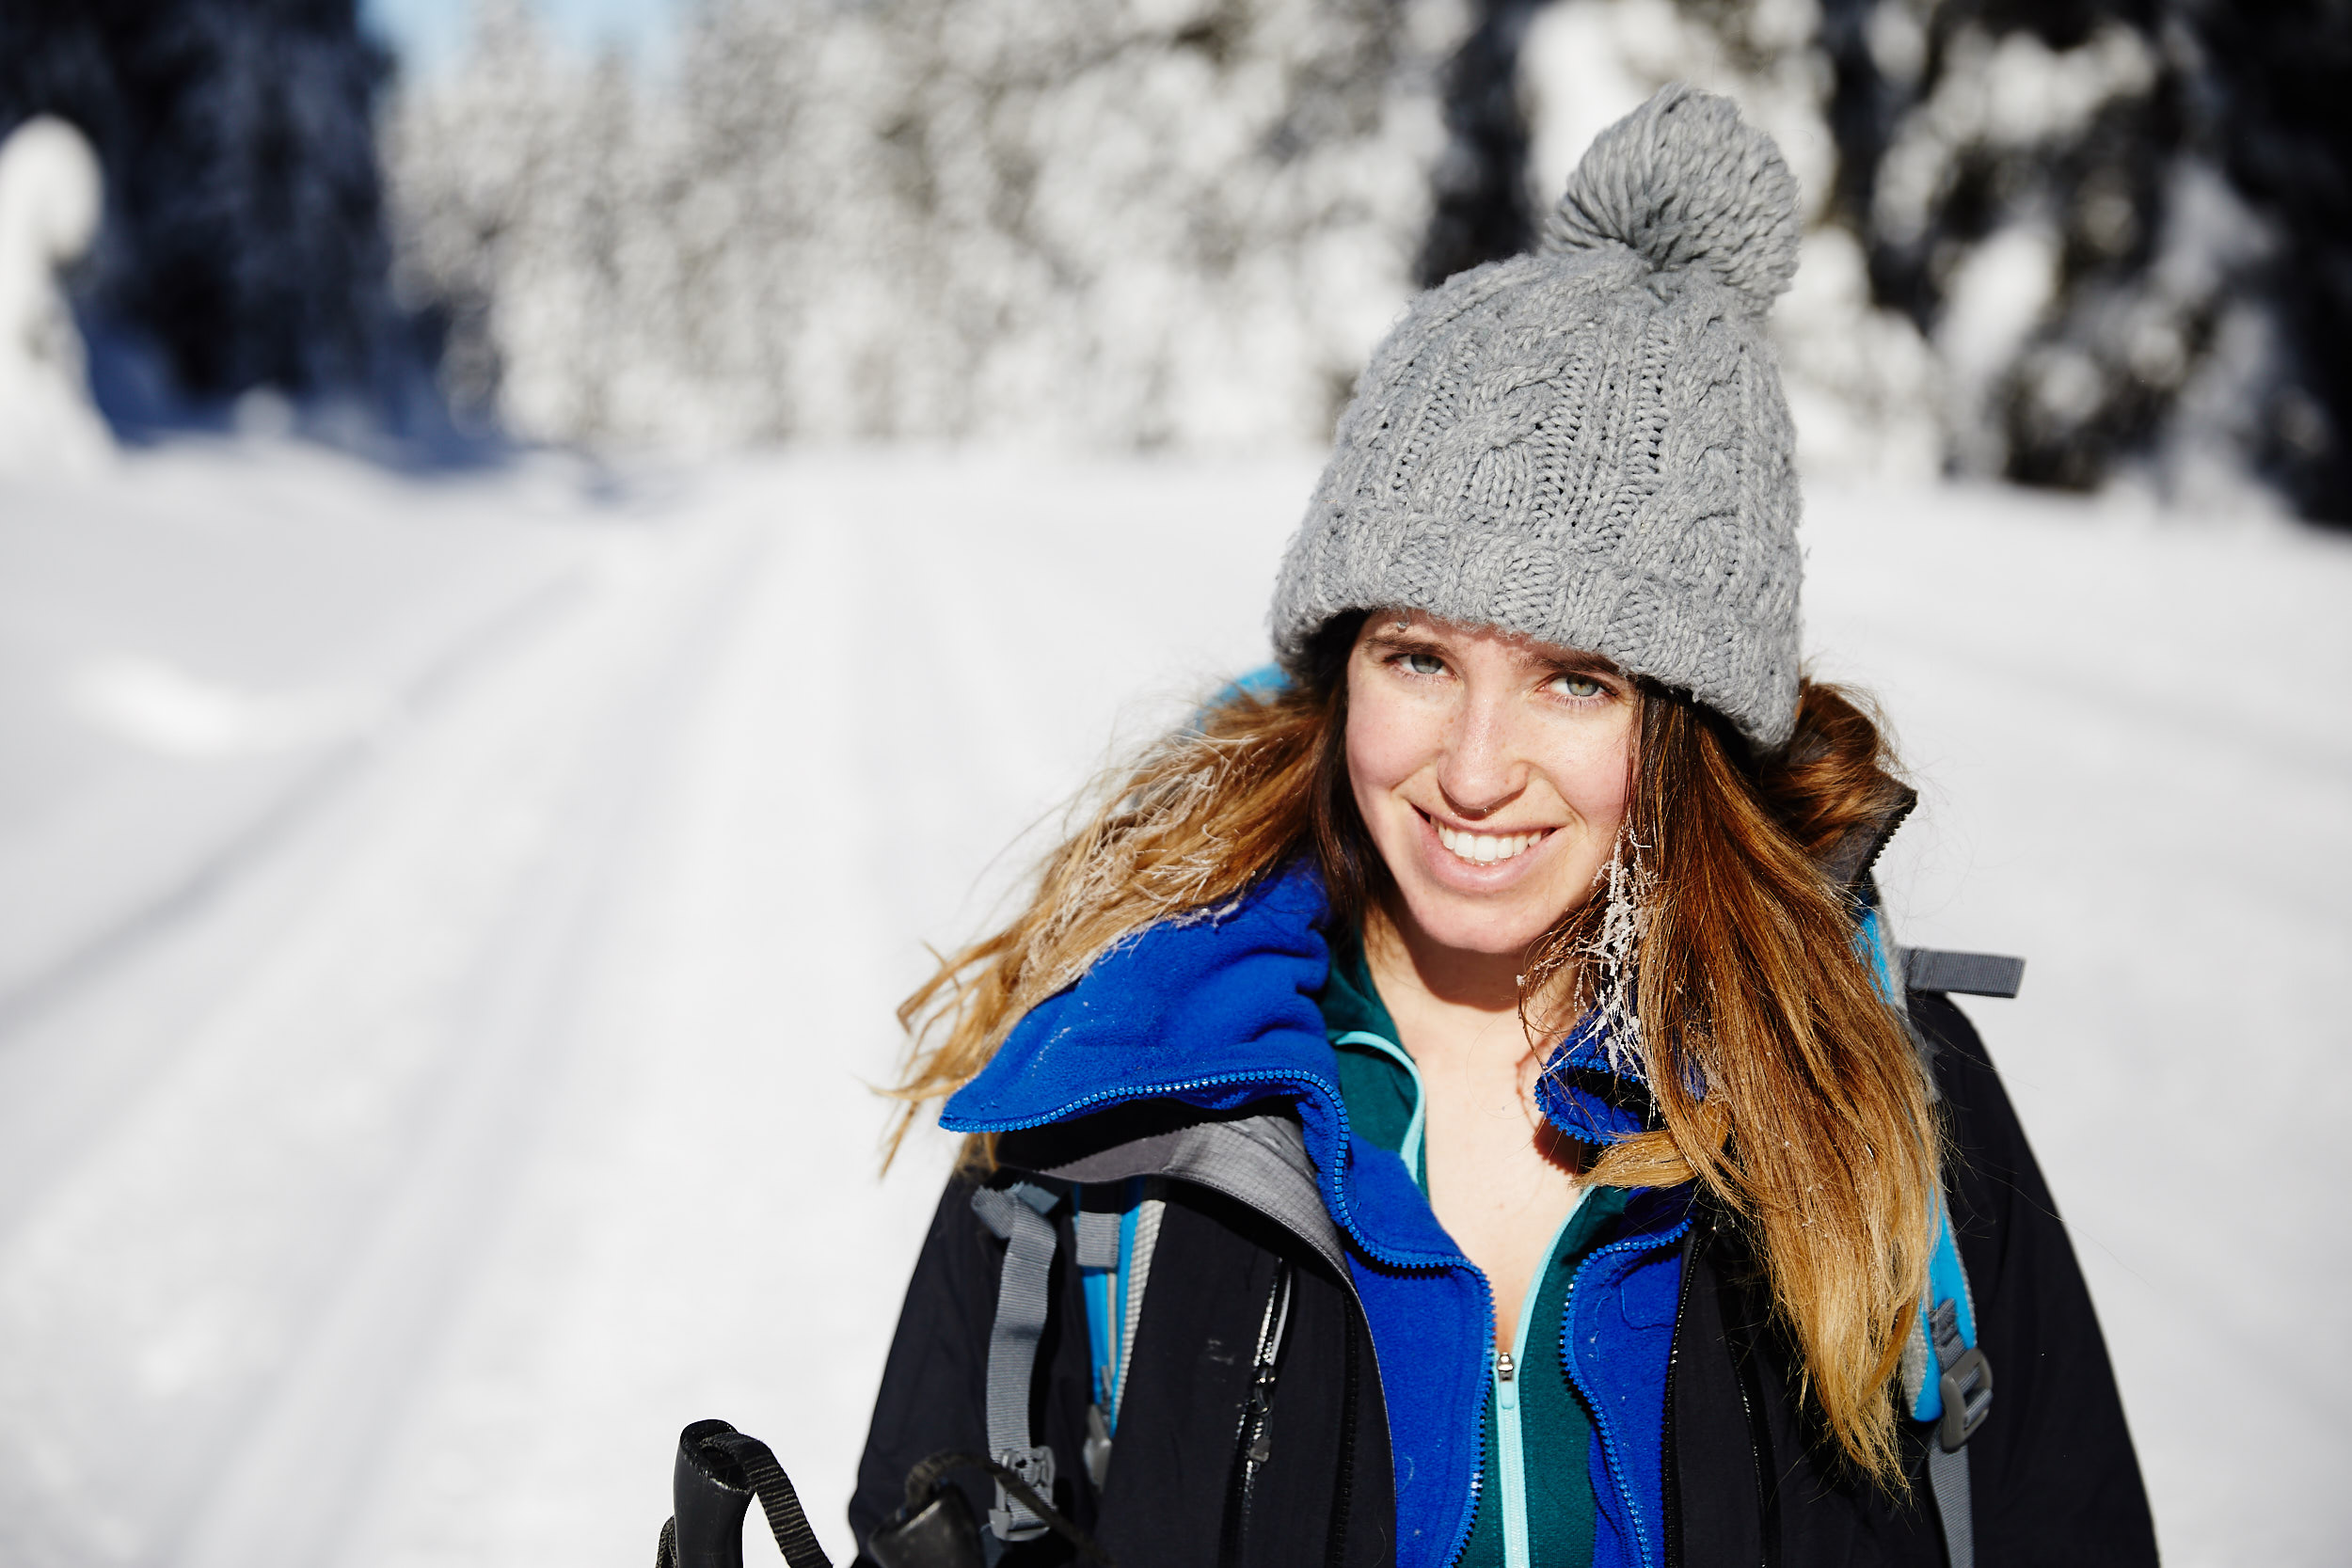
(1383, 1097)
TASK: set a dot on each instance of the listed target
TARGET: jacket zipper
(1478, 1485)
(1646, 1555)
(1510, 1444)
(1511, 1472)
(1416, 1166)
(1670, 1471)
(1255, 1443)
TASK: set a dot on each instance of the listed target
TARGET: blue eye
(1425, 664)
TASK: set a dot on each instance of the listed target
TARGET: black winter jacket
(2053, 1475)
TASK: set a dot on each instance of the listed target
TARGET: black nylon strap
(782, 1505)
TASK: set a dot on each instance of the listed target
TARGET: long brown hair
(1785, 1086)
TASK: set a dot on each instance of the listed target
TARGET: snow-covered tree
(2083, 205)
(1164, 221)
(242, 236)
(2058, 243)
(50, 190)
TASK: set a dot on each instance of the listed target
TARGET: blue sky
(430, 35)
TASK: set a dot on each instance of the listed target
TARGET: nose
(1482, 770)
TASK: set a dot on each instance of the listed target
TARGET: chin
(1497, 932)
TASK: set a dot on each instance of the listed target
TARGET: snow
(448, 928)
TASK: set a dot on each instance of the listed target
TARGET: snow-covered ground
(448, 928)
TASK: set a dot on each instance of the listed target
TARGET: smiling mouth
(1486, 849)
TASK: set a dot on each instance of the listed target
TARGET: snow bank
(505, 1108)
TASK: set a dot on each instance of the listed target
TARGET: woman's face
(1491, 771)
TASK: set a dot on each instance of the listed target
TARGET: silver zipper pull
(1502, 1364)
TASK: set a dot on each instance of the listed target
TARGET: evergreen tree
(242, 236)
(2166, 185)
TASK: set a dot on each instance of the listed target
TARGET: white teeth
(1486, 849)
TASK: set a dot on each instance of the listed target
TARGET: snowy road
(448, 929)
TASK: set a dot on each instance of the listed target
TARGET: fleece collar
(1213, 1010)
(1218, 1011)
(1221, 1008)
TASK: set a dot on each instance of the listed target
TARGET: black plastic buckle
(1966, 1385)
(940, 1535)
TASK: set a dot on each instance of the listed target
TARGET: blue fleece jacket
(1219, 1011)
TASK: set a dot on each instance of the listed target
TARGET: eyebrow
(1566, 661)
(1576, 661)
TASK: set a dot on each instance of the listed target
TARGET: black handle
(707, 1500)
(719, 1471)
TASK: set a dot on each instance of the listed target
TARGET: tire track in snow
(304, 1464)
(42, 983)
(701, 1234)
(232, 1276)
(75, 1079)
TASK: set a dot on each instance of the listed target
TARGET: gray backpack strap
(1966, 1389)
(1023, 1299)
(1946, 1381)
(1969, 973)
(1947, 1478)
(1147, 1215)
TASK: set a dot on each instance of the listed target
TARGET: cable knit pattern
(1588, 446)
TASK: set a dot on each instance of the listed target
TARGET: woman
(1444, 1109)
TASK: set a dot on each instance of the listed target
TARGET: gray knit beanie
(1588, 446)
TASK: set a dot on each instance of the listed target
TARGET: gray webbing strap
(1947, 1478)
(1947, 1458)
(1148, 1214)
(1022, 1300)
(1098, 1239)
(1969, 973)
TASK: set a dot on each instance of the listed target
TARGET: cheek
(1593, 773)
(1385, 743)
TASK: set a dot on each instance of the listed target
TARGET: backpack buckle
(1011, 1518)
(1964, 1380)
(1966, 1385)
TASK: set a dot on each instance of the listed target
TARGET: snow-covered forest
(534, 595)
(1104, 226)
(2067, 246)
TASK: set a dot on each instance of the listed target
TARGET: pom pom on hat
(1685, 182)
(1589, 446)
